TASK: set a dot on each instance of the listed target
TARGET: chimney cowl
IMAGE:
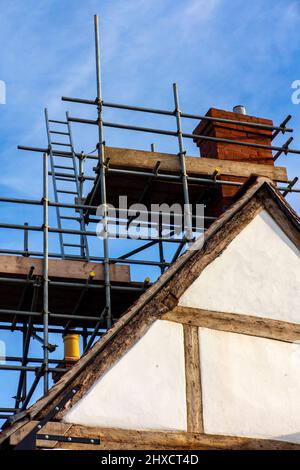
(239, 108)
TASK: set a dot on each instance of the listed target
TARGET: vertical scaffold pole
(45, 271)
(181, 154)
(102, 175)
(160, 243)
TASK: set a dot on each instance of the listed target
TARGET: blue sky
(220, 52)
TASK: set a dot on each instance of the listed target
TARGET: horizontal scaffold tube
(281, 128)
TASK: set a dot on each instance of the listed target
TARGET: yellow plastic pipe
(71, 347)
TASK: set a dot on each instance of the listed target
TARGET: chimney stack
(218, 150)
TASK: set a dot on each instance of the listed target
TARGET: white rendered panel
(257, 274)
(145, 389)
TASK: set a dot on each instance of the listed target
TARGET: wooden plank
(143, 160)
(20, 265)
(131, 439)
(235, 323)
(192, 379)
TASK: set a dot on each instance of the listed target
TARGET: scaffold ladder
(61, 171)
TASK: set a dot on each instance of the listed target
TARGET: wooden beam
(20, 265)
(235, 323)
(130, 439)
(143, 160)
(54, 427)
(192, 379)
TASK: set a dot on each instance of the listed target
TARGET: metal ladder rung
(55, 153)
(61, 143)
(68, 217)
(58, 122)
(66, 192)
(63, 167)
(64, 178)
(73, 245)
(63, 175)
(59, 132)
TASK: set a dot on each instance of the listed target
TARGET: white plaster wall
(144, 390)
(258, 274)
(250, 386)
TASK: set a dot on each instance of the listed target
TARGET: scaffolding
(97, 305)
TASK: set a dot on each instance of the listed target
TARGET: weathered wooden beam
(235, 323)
(192, 379)
(143, 160)
(65, 269)
(121, 439)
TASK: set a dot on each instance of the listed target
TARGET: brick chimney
(224, 195)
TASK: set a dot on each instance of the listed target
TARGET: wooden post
(193, 379)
